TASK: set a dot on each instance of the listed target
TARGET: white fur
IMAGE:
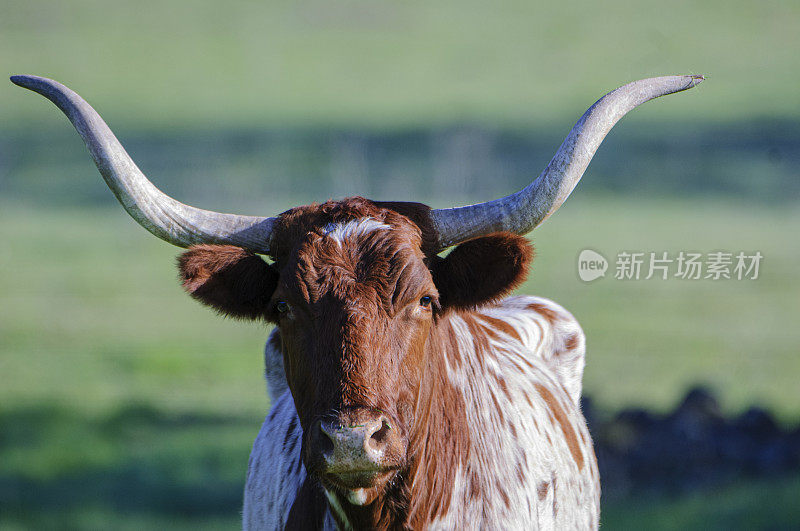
(353, 229)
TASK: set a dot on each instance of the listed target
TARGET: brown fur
(356, 337)
(542, 489)
(482, 270)
(349, 304)
(231, 280)
(500, 325)
(569, 432)
(572, 342)
(440, 442)
(550, 315)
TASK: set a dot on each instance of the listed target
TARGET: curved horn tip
(25, 81)
(695, 79)
(41, 85)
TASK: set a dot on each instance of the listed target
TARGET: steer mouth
(359, 487)
(360, 479)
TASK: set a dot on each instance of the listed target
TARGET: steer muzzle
(356, 449)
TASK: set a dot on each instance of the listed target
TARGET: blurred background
(125, 404)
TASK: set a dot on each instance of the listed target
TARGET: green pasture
(387, 64)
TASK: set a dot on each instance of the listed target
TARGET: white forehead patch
(353, 229)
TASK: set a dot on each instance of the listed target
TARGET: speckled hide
(517, 366)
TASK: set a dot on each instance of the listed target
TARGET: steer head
(356, 287)
(355, 294)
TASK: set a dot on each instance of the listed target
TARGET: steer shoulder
(517, 366)
(548, 332)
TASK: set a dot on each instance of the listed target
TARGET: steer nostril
(378, 439)
(323, 439)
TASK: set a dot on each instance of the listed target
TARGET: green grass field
(393, 64)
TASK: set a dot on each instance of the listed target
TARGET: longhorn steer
(406, 393)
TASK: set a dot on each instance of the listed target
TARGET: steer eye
(425, 301)
(282, 306)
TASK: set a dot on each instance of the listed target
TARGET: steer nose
(354, 441)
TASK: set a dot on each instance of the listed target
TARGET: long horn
(522, 211)
(170, 220)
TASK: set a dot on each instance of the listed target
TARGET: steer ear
(231, 280)
(482, 270)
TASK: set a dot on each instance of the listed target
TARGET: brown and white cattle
(406, 391)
